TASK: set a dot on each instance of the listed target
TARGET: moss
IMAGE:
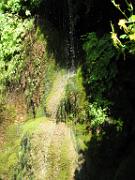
(65, 163)
(82, 136)
(54, 78)
(60, 162)
(33, 124)
(9, 153)
(73, 104)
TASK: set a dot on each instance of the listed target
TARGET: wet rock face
(89, 15)
(55, 12)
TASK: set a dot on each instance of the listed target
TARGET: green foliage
(125, 41)
(82, 136)
(17, 6)
(101, 61)
(33, 74)
(35, 3)
(98, 115)
(118, 124)
(101, 69)
(12, 32)
(14, 5)
(18, 51)
(129, 7)
(22, 47)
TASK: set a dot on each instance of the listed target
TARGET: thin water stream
(71, 34)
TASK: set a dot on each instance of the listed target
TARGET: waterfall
(71, 35)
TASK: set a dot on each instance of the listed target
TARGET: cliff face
(87, 16)
(95, 16)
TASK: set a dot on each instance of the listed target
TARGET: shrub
(12, 32)
(101, 69)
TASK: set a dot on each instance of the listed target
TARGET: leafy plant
(101, 69)
(125, 41)
(22, 60)
(14, 5)
(97, 115)
(17, 6)
(12, 32)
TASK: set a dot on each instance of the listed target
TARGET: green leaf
(123, 36)
(131, 18)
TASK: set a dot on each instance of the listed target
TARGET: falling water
(71, 34)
